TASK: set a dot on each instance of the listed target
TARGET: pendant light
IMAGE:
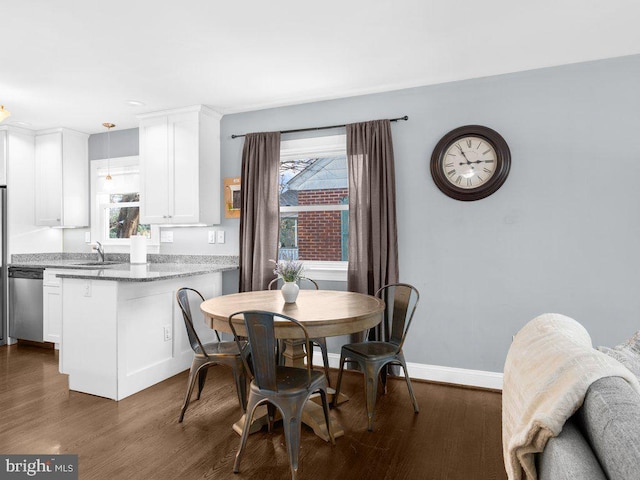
(108, 126)
(4, 114)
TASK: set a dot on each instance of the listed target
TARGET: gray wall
(122, 143)
(559, 236)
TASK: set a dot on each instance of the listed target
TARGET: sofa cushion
(627, 353)
(568, 457)
(610, 419)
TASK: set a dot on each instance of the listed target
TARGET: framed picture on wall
(232, 197)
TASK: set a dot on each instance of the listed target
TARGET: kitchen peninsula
(121, 329)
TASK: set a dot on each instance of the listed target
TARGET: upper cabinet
(62, 178)
(180, 166)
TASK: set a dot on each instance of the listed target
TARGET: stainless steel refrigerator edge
(4, 312)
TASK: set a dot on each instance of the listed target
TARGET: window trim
(329, 145)
(99, 231)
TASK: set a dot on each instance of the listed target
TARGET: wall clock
(470, 162)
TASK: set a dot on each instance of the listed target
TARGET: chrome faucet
(100, 249)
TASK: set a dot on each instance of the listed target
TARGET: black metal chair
(284, 388)
(321, 342)
(223, 353)
(375, 357)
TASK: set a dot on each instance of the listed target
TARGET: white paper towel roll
(138, 249)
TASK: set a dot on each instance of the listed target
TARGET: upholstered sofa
(570, 412)
(601, 441)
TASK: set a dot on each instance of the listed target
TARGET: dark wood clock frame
(503, 163)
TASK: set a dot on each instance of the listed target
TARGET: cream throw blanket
(549, 367)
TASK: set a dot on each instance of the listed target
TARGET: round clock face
(470, 163)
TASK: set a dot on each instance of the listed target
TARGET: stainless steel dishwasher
(25, 303)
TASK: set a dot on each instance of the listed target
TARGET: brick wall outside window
(319, 233)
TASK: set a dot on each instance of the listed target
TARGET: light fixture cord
(108, 153)
(109, 126)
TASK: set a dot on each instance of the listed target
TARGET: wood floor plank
(456, 435)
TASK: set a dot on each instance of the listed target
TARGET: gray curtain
(259, 210)
(373, 242)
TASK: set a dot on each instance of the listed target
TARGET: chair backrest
(274, 283)
(401, 300)
(262, 345)
(182, 296)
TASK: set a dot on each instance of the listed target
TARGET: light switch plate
(87, 237)
(212, 236)
(220, 236)
(166, 236)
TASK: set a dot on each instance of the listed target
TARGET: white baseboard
(436, 373)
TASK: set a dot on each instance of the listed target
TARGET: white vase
(290, 292)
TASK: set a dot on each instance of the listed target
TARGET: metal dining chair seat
(217, 348)
(208, 354)
(284, 388)
(372, 350)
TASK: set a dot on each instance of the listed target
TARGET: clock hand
(471, 163)
(463, 154)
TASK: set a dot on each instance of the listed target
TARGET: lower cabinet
(52, 307)
(120, 337)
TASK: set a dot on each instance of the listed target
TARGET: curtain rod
(406, 117)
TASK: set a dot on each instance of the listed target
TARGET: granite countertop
(160, 267)
(146, 272)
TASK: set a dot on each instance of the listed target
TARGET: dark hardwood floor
(456, 435)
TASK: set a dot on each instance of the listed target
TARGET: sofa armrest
(610, 419)
(568, 457)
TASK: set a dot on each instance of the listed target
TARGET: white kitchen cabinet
(52, 307)
(62, 178)
(120, 337)
(180, 167)
(18, 150)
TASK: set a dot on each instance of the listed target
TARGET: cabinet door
(52, 314)
(184, 148)
(49, 179)
(75, 179)
(155, 171)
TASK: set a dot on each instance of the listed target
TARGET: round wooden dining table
(324, 313)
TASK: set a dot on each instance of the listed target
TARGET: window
(314, 205)
(115, 211)
(123, 214)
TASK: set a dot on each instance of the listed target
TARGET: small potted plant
(290, 271)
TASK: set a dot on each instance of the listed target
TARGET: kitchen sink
(96, 264)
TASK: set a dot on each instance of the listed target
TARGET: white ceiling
(75, 63)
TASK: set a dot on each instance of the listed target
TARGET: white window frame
(327, 146)
(99, 220)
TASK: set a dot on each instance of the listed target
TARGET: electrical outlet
(87, 237)
(212, 236)
(86, 288)
(167, 333)
(220, 236)
(166, 236)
